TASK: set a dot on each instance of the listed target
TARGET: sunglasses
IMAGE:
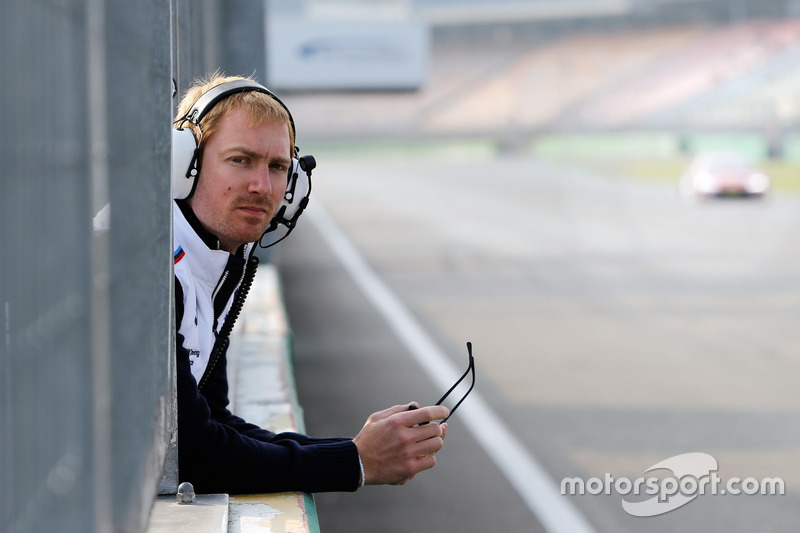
(470, 369)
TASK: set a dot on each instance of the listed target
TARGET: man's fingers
(425, 462)
(426, 440)
(394, 444)
(425, 414)
(386, 413)
(426, 431)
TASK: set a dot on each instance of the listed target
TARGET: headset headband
(209, 99)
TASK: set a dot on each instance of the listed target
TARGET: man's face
(242, 178)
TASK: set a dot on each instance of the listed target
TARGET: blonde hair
(260, 107)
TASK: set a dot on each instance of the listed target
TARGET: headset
(186, 155)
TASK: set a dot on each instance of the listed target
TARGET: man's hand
(394, 447)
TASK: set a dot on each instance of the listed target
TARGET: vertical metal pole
(99, 273)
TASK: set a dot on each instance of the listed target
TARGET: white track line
(543, 497)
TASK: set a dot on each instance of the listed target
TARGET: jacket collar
(206, 236)
(210, 240)
(207, 260)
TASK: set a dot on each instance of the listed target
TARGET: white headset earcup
(297, 190)
(295, 200)
(183, 148)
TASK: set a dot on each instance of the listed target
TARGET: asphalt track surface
(614, 327)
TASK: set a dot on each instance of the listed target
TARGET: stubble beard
(262, 202)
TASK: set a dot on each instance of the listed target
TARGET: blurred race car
(723, 174)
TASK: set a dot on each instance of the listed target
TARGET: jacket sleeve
(233, 456)
(221, 453)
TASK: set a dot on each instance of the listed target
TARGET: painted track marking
(542, 496)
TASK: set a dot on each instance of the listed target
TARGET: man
(246, 147)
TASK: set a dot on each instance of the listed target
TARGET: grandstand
(681, 66)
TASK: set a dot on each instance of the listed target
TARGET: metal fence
(86, 395)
